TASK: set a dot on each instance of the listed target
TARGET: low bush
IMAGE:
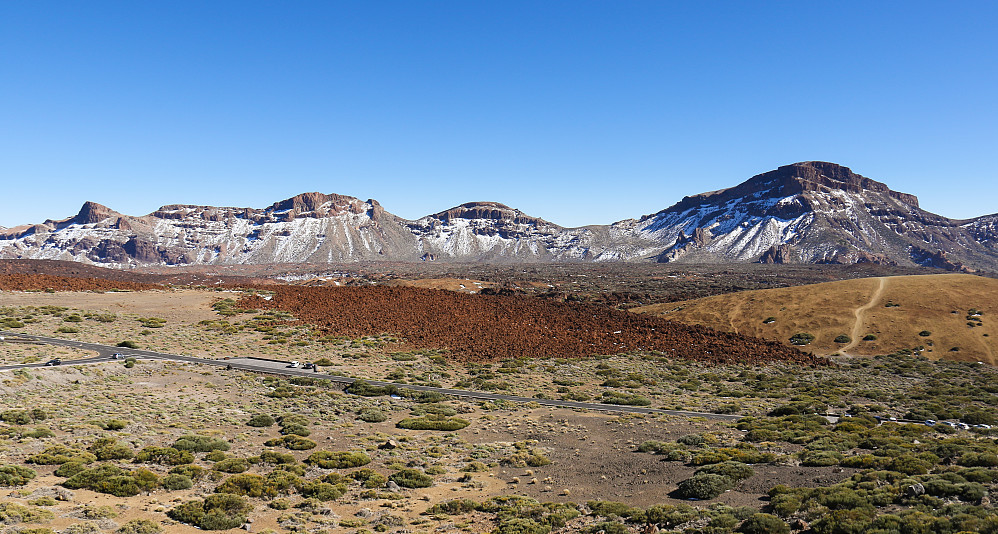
(261, 420)
(163, 456)
(296, 429)
(232, 465)
(109, 449)
(200, 444)
(733, 470)
(411, 478)
(174, 482)
(216, 512)
(140, 526)
(60, 454)
(194, 472)
(433, 422)
(801, 338)
(704, 486)
(764, 524)
(292, 442)
(323, 491)
(338, 460)
(15, 475)
(369, 478)
(624, 399)
(842, 338)
(246, 484)
(113, 480)
(128, 344)
(366, 389)
(277, 458)
(372, 415)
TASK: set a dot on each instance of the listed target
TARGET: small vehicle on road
(308, 365)
(295, 364)
(53, 361)
(117, 356)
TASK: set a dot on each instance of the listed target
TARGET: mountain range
(808, 212)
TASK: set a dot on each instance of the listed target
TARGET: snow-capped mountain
(805, 212)
(817, 212)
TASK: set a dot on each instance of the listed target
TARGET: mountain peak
(92, 212)
(311, 201)
(487, 210)
(819, 175)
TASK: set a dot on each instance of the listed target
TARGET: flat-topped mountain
(805, 212)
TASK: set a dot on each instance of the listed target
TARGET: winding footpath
(278, 368)
(857, 327)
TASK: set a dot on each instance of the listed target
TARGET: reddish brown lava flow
(40, 282)
(493, 327)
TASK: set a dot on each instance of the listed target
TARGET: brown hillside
(939, 304)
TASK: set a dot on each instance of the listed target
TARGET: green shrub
(113, 480)
(297, 430)
(16, 417)
(323, 491)
(433, 422)
(869, 337)
(704, 486)
(163, 456)
(411, 478)
(925, 333)
(371, 415)
(246, 484)
(128, 344)
(366, 389)
(820, 458)
(624, 399)
(69, 469)
(732, 470)
(292, 442)
(277, 458)
(692, 440)
(841, 338)
(15, 475)
(261, 420)
(200, 444)
(338, 460)
(15, 513)
(60, 454)
(216, 512)
(801, 338)
(194, 472)
(369, 478)
(174, 482)
(112, 424)
(109, 449)
(232, 465)
(140, 526)
(764, 524)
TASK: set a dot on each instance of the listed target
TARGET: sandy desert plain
(152, 446)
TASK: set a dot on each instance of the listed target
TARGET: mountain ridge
(810, 212)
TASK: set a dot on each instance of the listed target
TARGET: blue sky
(578, 112)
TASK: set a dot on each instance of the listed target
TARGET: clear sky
(576, 111)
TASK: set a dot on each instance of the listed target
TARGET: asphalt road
(280, 368)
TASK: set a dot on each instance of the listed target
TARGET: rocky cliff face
(805, 212)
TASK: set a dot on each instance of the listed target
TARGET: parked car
(930, 422)
(295, 364)
(308, 365)
(54, 361)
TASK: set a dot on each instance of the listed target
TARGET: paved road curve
(264, 366)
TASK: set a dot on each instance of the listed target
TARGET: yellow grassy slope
(827, 310)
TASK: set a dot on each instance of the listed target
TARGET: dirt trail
(857, 327)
